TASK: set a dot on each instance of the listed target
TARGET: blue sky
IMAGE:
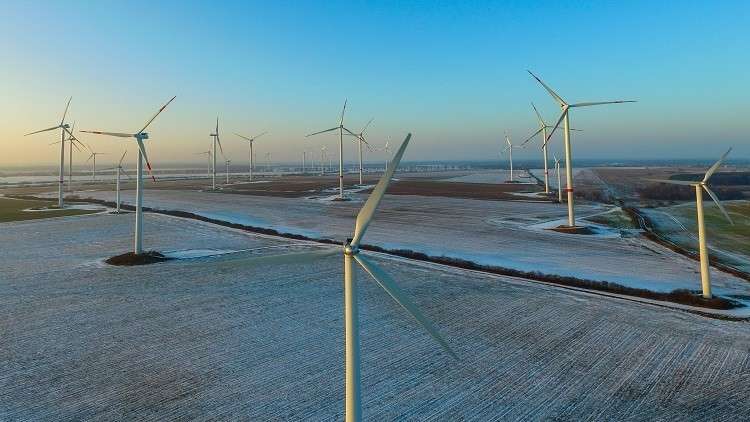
(454, 74)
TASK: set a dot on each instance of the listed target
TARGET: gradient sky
(453, 73)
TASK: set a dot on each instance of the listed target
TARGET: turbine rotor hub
(350, 250)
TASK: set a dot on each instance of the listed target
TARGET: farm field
(19, 209)
(509, 234)
(210, 338)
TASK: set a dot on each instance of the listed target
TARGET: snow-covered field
(208, 339)
(492, 177)
(502, 233)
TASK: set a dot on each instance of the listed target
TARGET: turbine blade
(551, 92)
(367, 125)
(713, 168)
(343, 110)
(721, 207)
(539, 116)
(258, 136)
(145, 158)
(62, 121)
(532, 136)
(554, 128)
(157, 113)
(43, 130)
(117, 134)
(350, 132)
(122, 158)
(218, 141)
(389, 285)
(322, 131)
(75, 145)
(368, 210)
(89, 159)
(287, 258)
(673, 182)
(602, 102)
(243, 137)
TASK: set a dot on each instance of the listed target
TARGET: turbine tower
(352, 254)
(227, 162)
(252, 155)
(139, 136)
(559, 182)
(566, 135)
(63, 129)
(699, 188)
(215, 135)
(341, 130)
(208, 155)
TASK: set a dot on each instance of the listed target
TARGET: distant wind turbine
(543, 126)
(559, 182)
(118, 172)
(361, 140)
(699, 188)
(566, 134)
(139, 137)
(509, 148)
(63, 129)
(215, 135)
(352, 254)
(251, 141)
(208, 155)
(341, 130)
(227, 162)
(93, 166)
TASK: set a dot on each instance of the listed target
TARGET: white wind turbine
(268, 162)
(352, 253)
(63, 129)
(139, 137)
(559, 183)
(509, 148)
(93, 166)
(208, 155)
(215, 135)
(566, 134)
(699, 187)
(252, 155)
(72, 142)
(119, 171)
(543, 126)
(322, 159)
(361, 140)
(341, 130)
(387, 150)
(227, 162)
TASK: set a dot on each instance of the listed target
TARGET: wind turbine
(64, 128)
(341, 130)
(72, 142)
(118, 171)
(543, 126)
(322, 159)
(361, 140)
(139, 137)
(566, 134)
(352, 253)
(252, 156)
(268, 162)
(215, 135)
(227, 162)
(559, 183)
(93, 167)
(699, 188)
(387, 150)
(208, 155)
(509, 147)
